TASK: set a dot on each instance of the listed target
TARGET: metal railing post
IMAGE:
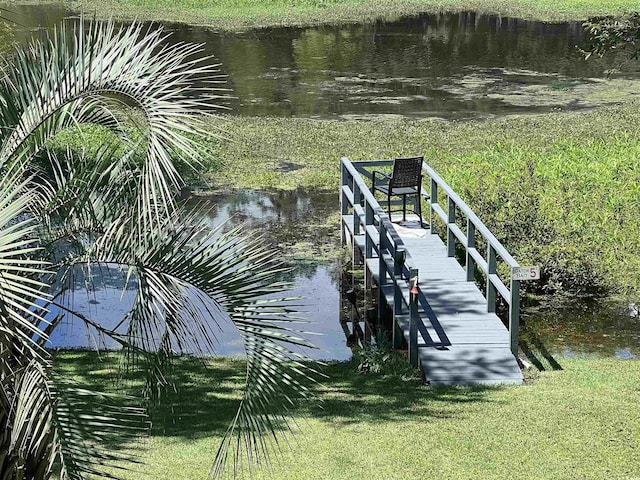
(491, 270)
(471, 243)
(451, 219)
(514, 316)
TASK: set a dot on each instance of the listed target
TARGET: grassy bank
(243, 14)
(560, 190)
(580, 422)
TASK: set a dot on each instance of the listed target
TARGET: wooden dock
(450, 326)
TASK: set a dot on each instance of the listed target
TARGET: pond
(454, 66)
(279, 216)
(448, 65)
(588, 327)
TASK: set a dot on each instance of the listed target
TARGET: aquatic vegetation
(560, 190)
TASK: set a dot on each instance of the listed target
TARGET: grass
(579, 422)
(233, 15)
(560, 190)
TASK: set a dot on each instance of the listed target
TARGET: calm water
(453, 66)
(460, 65)
(577, 328)
(279, 215)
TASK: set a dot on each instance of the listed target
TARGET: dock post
(398, 261)
(382, 270)
(368, 243)
(514, 316)
(344, 204)
(471, 243)
(356, 221)
(434, 201)
(414, 318)
(491, 270)
(451, 220)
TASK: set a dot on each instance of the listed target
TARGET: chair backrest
(407, 172)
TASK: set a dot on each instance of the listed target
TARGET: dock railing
(394, 261)
(473, 258)
(395, 267)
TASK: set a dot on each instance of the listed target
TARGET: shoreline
(237, 15)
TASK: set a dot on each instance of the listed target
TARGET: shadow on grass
(348, 397)
(534, 349)
(209, 393)
(205, 402)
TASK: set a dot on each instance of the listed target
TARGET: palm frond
(118, 207)
(93, 430)
(29, 408)
(21, 291)
(191, 280)
(51, 87)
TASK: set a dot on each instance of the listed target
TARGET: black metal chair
(406, 179)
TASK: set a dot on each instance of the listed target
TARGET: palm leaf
(192, 279)
(51, 87)
(118, 207)
(93, 429)
(31, 419)
(20, 267)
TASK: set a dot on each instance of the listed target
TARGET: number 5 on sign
(525, 273)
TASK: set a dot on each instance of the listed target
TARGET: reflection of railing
(380, 241)
(371, 226)
(473, 258)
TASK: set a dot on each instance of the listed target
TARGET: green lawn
(242, 14)
(580, 422)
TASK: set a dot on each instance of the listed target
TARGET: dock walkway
(451, 327)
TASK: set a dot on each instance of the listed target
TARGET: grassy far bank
(560, 190)
(242, 14)
(580, 422)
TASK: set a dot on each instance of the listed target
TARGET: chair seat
(398, 190)
(405, 180)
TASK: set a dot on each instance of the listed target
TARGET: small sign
(525, 273)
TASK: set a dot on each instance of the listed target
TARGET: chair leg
(404, 208)
(419, 201)
(389, 206)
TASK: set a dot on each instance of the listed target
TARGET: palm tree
(64, 210)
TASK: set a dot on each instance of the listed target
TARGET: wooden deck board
(468, 344)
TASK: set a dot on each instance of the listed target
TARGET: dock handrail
(495, 249)
(370, 212)
(395, 265)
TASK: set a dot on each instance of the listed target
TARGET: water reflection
(583, 327)
(340, 309)
(448, 65)
(105, 296)
(295, 222)
(451, 65)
